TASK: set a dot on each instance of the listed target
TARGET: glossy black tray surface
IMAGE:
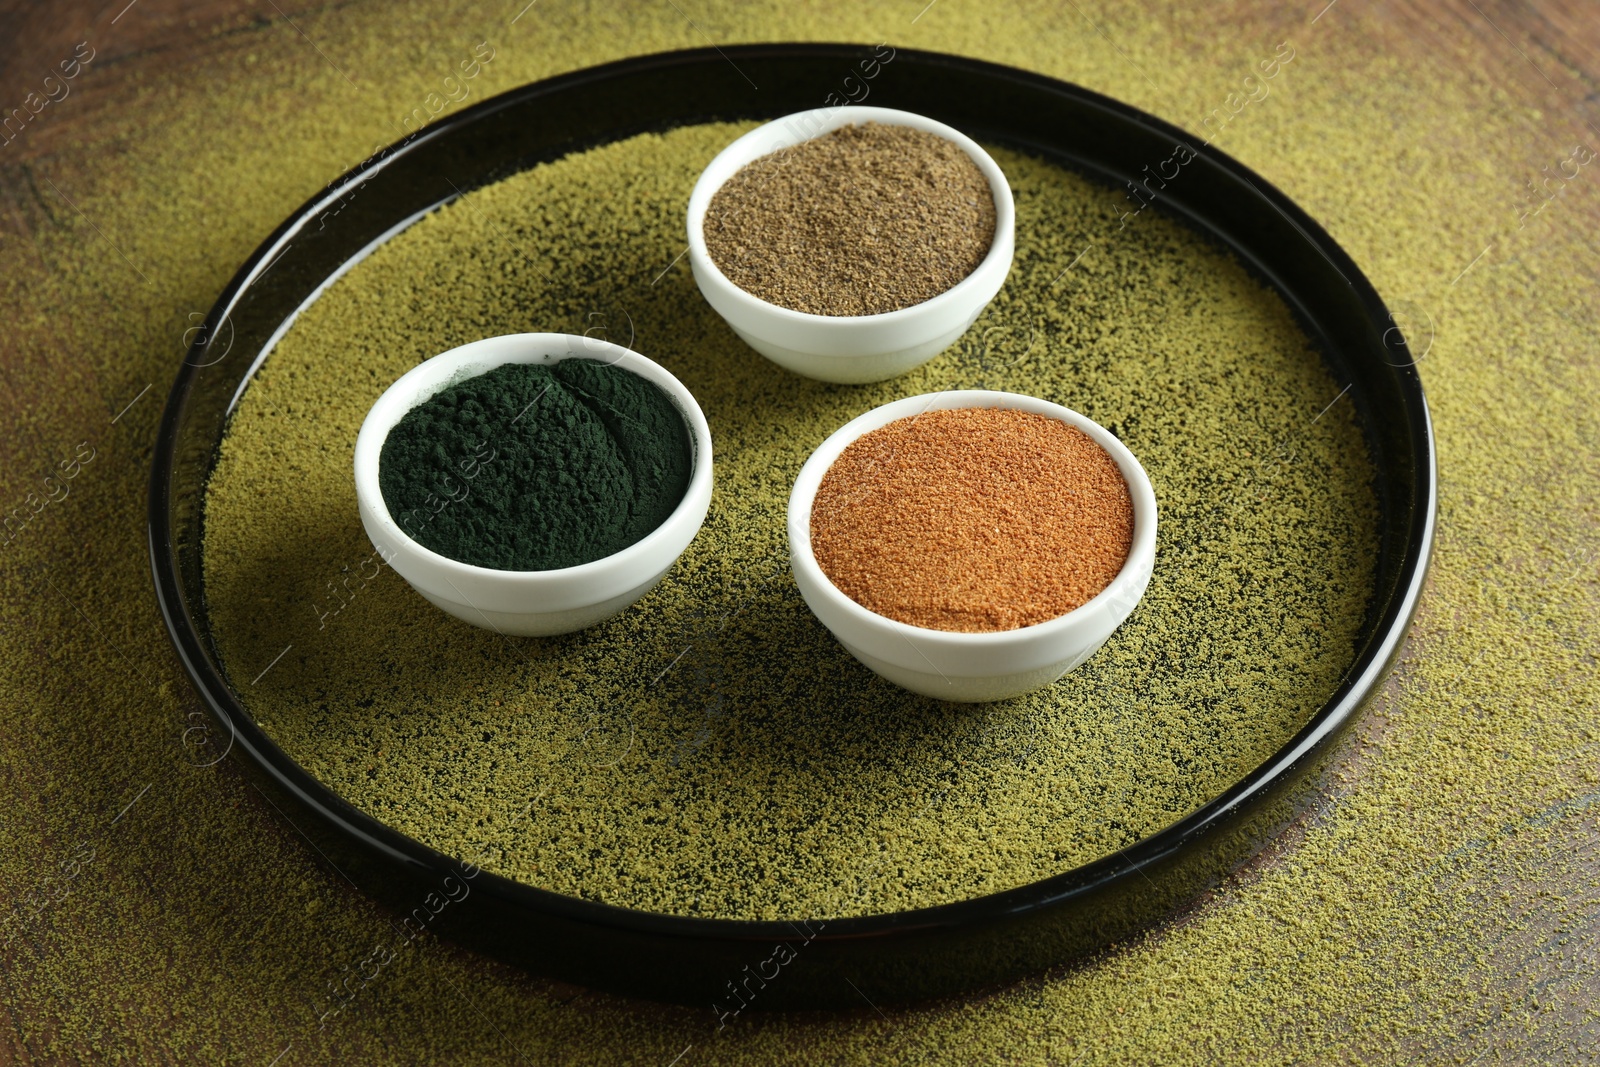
(835, 963)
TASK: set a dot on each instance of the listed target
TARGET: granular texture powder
(1384, 927)
(972, 519)
(713, 750)
(534, 467)
(859, 221)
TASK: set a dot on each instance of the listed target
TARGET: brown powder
(862, 220)
(972, 519)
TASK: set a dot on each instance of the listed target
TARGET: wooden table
(1547, 54)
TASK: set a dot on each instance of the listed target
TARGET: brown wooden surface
(1534, 46)
(1547, 52)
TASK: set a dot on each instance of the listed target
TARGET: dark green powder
(532, 467)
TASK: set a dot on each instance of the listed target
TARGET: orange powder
(972, 519)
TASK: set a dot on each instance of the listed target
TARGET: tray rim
(1366, 671)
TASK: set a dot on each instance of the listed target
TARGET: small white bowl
(848, 348)
(971, 667)
(528, 603)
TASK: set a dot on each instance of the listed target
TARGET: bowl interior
(432, 376)
(1141, 554)
(782, 134)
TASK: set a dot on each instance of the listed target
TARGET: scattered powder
(972, 519)
(767, 774)
(1385, 926)
(859, 221)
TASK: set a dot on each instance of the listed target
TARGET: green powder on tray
(531, 467)
(713, 751)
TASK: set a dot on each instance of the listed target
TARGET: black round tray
(836, 962)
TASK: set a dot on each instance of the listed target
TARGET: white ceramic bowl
(971, 666)
(529, 602)
(848, 348)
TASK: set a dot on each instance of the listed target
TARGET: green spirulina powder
(531, 467)
(713, 750)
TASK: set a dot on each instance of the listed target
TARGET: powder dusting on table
(1384, 927)
(972, 519)
(713, 750)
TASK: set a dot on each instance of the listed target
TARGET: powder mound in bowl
(860, 221)
(529, 467)
(972, 519)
